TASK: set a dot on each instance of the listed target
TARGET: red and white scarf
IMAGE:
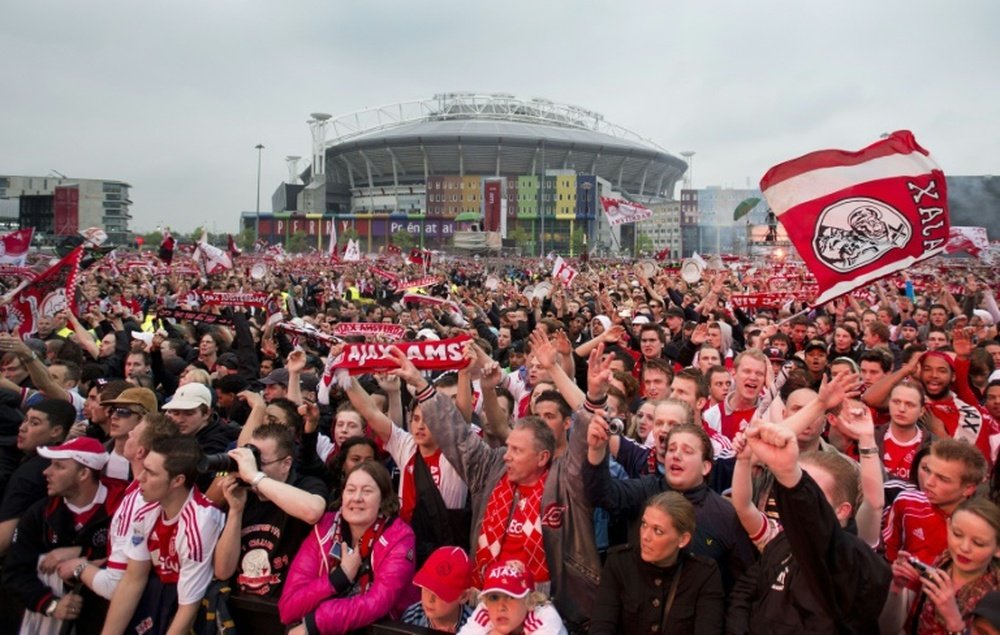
(500, 511)
(335, 536)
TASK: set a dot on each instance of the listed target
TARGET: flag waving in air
(15, 245)
(167, 248)
(855, 217)
(52, 291)
(213, 259)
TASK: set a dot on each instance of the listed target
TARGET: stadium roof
(465, 133)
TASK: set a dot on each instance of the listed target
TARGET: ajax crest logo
(854, 232)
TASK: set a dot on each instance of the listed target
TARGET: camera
(919, 566)
(616, 426)
(222, 462)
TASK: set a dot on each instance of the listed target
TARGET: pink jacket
(308, 591)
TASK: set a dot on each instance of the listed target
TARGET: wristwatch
(78, 571)
(50, 608)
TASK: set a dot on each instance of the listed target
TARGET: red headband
(941, 355)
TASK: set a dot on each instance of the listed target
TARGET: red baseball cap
(447, 573)
(510, 577)
(86, 451)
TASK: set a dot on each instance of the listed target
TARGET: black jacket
(718, 536)
(815, 577)
(633, 595)
(48, 525)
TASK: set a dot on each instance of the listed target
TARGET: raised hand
(296, 361)
(833, 392)
(598, 373)
(542, 349)
(406, 371)
(855, 420)
(776, 446)
(961, 342)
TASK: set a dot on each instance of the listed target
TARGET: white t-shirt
(401, 447)
(180, 548)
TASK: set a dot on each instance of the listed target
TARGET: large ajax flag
(51, 291)
(855, 217)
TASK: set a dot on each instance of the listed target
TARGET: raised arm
(544, 352)
(855, 420)
(751, 518)
(877, 395)
(363, 403)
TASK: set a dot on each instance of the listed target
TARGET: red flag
(52, 291)
(167, 248)
(213, 259)
(416, 256)
(855, 217)
(972, 240)
(14, 247)
(661, 255)
(393, 249)
(233, 249)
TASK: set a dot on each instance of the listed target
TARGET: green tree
(348, 234)
(643, 244)
(195, 236)
(246, 239)
(152, 239)
(576, 244)
(296, 243)
(404, 240)
(522, 239)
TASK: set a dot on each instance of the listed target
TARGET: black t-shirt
(269, 540)
(25, 488)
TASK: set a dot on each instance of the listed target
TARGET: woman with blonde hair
(657, 585)
(967, 570)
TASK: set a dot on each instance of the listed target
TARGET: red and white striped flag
(855, 217)
(14, 247)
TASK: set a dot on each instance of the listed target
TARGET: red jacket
(308, 594)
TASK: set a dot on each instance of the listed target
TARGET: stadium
(436, 172)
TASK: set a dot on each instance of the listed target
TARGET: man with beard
(732, 415)
(950, 416)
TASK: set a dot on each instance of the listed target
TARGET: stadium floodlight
(320, 116)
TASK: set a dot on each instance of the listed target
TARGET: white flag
(353, 251)
(563, 271)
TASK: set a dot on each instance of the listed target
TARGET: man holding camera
(264, 529)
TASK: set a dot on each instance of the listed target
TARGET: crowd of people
(627, 453)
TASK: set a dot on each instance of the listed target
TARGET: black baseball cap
(811, 344)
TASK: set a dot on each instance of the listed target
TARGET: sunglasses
(124, 412)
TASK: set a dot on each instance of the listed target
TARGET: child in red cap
(444, 583)
(509, 605)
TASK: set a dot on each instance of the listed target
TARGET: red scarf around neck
(366, 544)
(499, 512)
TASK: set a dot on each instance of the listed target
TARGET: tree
(153, 239)
(576, 241)
(404, 240)
(521, 238)
(296, 243)
(247, 239)
(348, 234)
(195, 236)
(643, 244)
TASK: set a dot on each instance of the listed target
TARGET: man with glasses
(265, 528)
(124, 413)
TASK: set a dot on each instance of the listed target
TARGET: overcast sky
(173, 96)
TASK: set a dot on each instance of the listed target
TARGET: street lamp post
(260, 149)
